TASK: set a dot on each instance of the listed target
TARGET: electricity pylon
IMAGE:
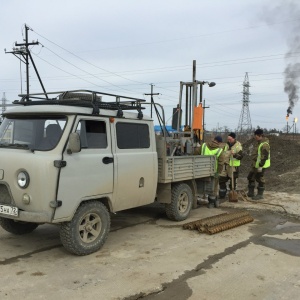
(245, 120)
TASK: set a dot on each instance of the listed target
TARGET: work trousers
(213, 187)
(226, 175)
(216, 187)
(256, 176)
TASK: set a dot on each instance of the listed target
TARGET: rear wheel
(181, 202)
(18, 228)
(88, 230)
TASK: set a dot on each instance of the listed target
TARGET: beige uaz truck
(72, 159)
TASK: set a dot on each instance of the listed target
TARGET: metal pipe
(231, 224)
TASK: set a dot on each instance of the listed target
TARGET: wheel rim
(183, 202)
(90, 228)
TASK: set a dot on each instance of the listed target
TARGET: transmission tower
(245, 120)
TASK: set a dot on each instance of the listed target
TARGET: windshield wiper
(3, 145)
(23, 146)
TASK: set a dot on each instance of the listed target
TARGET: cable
(198, 36)
(80, 69)
(203, 64)
(86, 60)
(70, 73)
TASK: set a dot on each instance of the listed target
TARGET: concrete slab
(147, 256)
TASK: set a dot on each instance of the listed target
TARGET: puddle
(283, 237)
(288, 246)
(287, 225)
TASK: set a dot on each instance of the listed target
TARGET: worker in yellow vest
(214, 148)
(260, 162)
(233, 153)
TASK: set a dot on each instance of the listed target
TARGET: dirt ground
(284, 173)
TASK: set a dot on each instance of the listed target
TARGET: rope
(245, 198)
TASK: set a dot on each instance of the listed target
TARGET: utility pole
(24, 51)
(152, 94)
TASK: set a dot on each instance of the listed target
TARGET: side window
(132, 135)
(92, 134)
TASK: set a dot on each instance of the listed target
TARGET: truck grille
(5, 197)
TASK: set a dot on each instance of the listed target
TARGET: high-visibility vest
(233, 161)
(206, 151)
(268, 161)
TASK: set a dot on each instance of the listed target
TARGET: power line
(84, 59)
(80, 69)
(183, 67)
(70, 73)
(199, 36)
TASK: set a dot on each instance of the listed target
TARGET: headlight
(23, 180)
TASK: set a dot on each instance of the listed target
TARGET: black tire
(18, 228)
(88, 230)
(181, 202)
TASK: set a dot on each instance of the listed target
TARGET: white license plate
(9, 210)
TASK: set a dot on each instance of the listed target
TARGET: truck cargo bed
(179, 168)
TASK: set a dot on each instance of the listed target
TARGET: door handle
(107, 160)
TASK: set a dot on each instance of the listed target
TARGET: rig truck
(72, 159)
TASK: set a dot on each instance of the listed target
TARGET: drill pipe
(230, 224)
(193, 225)
(222, 219)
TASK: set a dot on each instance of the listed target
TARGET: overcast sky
(122, 46)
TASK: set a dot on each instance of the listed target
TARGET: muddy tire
(88, 230)
(181, 202)
(18, 228)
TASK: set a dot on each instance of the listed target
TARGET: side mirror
(74, 143)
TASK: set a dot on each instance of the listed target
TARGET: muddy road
(147, 256)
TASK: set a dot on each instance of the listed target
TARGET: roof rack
(84, 98)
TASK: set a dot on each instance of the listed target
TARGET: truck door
(88, 174)
(135, 164)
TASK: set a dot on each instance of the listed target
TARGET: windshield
(34, 133)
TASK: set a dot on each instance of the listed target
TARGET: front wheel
(181, 202)
(87, 231)
(18, 228)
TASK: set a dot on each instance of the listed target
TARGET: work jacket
(235, 158)
(213, 148)
(261, 154)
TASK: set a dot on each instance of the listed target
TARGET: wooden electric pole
(24, 51)
(152, 94)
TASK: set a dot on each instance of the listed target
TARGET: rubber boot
(250, 190)
(222, 193)
(211, 201)
(217, 203)
(260, 194)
